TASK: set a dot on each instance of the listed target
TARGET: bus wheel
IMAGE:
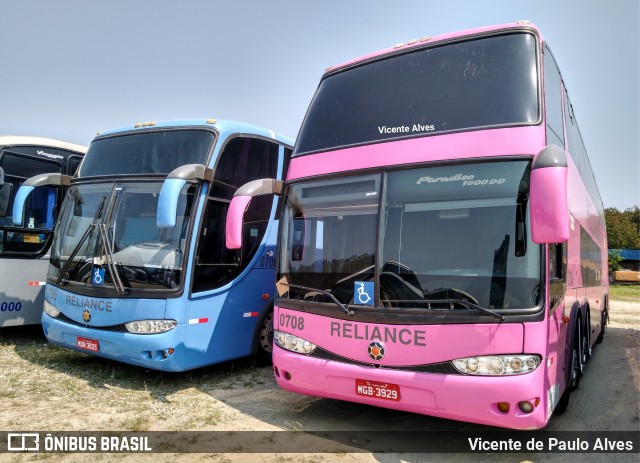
(575, 370)
(586, 342)
(265, 339)
(603, 327)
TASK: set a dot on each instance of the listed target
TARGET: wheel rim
(574, 370)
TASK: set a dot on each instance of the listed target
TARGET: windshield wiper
(344, 307)
(107, 246)
(84, 237)
(466, 304)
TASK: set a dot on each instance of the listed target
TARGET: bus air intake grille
(443, 368)
(118, 328)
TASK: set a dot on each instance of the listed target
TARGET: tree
(623, 228)
(615, 261)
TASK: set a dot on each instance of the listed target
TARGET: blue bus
(24, 249)
(139, 271)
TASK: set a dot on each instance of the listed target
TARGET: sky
(71, 68)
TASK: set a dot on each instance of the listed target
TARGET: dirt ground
(45, 388)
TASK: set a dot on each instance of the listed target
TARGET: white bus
(24, 249)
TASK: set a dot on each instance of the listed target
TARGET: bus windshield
(446, 233)
(154, 152)
(485, 82)
(144, 255)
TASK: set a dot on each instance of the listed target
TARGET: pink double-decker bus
(442, 243)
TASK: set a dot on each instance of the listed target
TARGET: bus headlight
(50, 309)
(493, 365)
(293, 343)
(150, 326)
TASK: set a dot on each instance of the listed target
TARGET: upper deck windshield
(455, 232)
(153, 152)
(143, 255)
(484, 82)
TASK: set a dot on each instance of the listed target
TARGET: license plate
(377, 390)
(87, 344)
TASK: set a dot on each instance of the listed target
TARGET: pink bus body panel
(407, 344)
(458, 397)
(522, 141)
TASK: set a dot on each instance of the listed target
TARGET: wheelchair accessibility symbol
(363, 292)
(97, 276)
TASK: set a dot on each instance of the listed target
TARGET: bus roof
(21, 140)
(225, 127)
(402, 47)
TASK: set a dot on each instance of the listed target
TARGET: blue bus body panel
(221, 327)
(135, 349)
(104, 312)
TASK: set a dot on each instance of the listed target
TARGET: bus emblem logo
(86, 316)
(376, 350)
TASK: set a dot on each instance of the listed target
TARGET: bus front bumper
(163, 351)
(473, 399)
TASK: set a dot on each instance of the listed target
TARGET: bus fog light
(503, 407)
(526, 407)
(150, 326)
(293, 343)
(495, 365)
(50, 309)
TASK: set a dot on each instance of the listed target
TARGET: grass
(629, 293)
(37, 378)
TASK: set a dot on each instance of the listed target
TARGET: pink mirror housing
(235, 215)
(548, 196)
(239, 204)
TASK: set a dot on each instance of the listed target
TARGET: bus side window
(557, 261)
(557, 273)
(553, 100)
(73, 164)
(215, 265)
(242, 160)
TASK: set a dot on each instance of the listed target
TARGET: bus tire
(264, 339)
(603, 326)
(575, 370)
(586, 340)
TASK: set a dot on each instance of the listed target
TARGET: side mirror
(54, 179)
(240, 203)
(548, 197)
(5, 194)
(171, 188)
